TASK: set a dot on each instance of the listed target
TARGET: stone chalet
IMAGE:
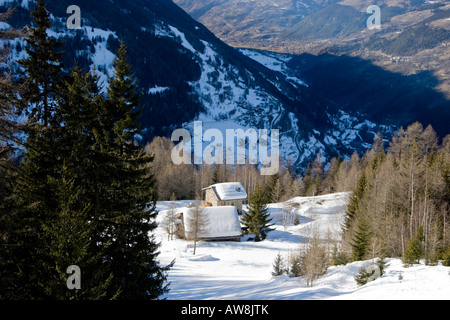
(226, 194)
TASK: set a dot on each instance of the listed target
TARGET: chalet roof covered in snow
(220, 222)
(229, 191)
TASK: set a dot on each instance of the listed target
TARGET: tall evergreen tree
(278, 266)
(9, 282)
(354, 202)
(123, 104)
(85, 188)
(361, 239)
(43, 70)
(130, 188)
(78, 210)
(414, 250)
(36, 187)
(215, 175)
(258, 218)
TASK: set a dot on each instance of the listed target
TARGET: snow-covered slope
(242, 270)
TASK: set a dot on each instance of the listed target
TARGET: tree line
(187, 181)
(75, 189)
(399, 191)
(400, 206)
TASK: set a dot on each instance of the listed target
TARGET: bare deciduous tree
(196, 223)
(288, 216)
(315, 260)
(170, 218)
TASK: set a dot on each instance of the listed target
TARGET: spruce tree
(278, 266)
(361, 239)
(308, 183)
(85, 189)
(414, 249)
(8, 94)
(258, 218)
(43, 71)
(78, 209)
(362, 277)
(354, 202)
(8, 169)
(130, 191)
(70, 246)
(215, 175)
(123, 103)
(35, 186)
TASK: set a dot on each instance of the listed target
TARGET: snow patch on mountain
(101, 57)
(230, 102)
(24, 3)
(157, 89)
(275, 62)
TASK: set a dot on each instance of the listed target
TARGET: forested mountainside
(412, 43)
(187, 73)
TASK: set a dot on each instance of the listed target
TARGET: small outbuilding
(218, 223)
(226, 194)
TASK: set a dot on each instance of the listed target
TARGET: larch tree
(170, 218)
(196, 223)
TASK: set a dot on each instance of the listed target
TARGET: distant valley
(414, 35)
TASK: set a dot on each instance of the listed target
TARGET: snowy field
(242, 270)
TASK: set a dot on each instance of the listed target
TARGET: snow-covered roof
(229, 191)
(221, 222)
